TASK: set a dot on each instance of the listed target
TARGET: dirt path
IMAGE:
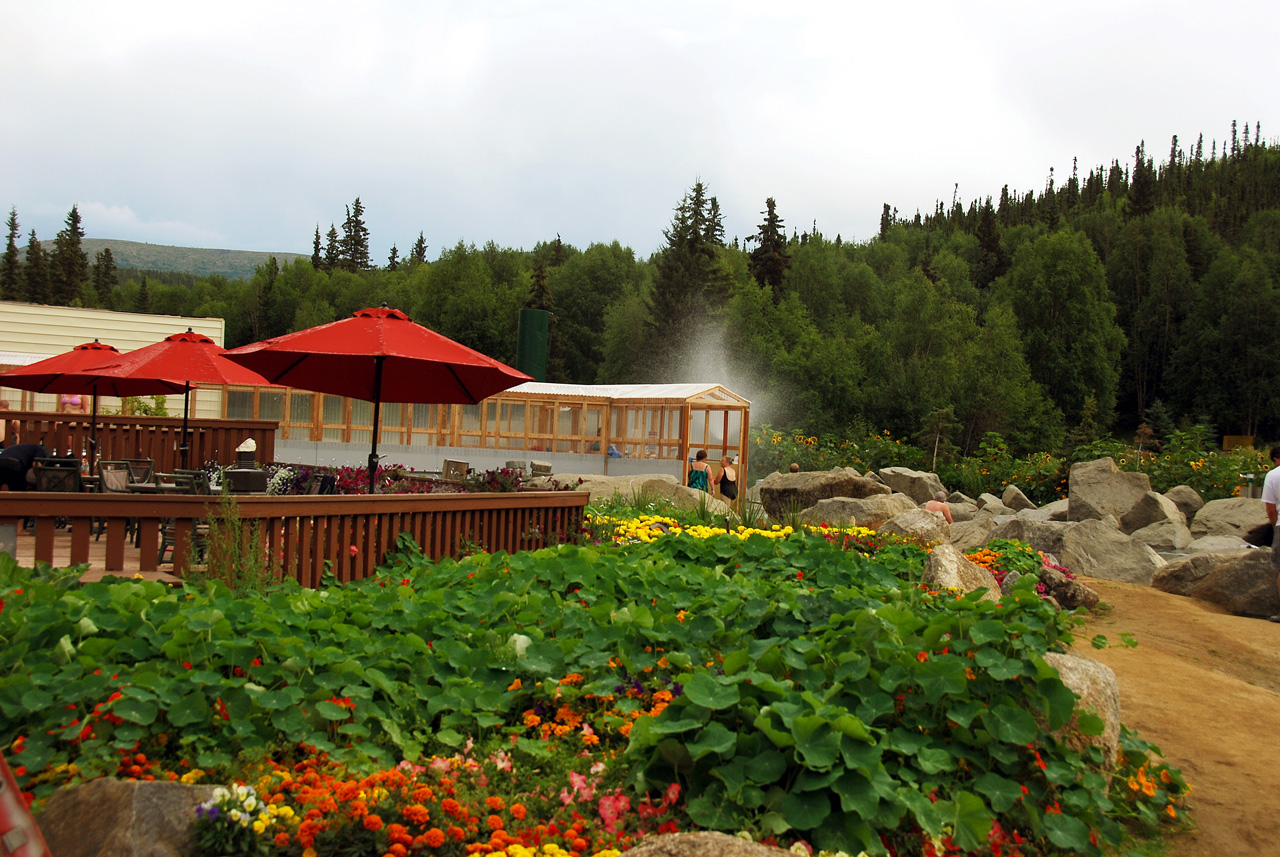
(1204, 686)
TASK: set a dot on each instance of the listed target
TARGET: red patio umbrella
(379, 355)
(191, 357)
(68, 373)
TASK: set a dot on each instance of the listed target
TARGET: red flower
(922, 657)
(355, 550)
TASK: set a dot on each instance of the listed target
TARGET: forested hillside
(1129, 292)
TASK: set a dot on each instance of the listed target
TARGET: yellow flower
(310, 852)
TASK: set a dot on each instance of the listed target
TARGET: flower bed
(786, 687)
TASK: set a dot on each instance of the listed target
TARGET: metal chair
(57, 474)
(113, 478)
(181, 483)
(140, 468)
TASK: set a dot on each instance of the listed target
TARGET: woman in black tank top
(727, 480)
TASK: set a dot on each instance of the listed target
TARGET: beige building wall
(31, 332)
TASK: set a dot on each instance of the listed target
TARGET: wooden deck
(97, 558)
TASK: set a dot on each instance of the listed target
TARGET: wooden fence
(158, 438)
(299, 536)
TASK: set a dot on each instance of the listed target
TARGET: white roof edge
(619, 391)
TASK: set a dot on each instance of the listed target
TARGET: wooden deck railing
(301, 535)
(145, 437)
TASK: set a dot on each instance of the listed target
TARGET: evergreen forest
(1146, 290)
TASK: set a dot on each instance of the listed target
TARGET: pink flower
(611, 809)
(501, 761)
(354, 550)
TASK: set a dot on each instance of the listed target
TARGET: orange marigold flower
(494, 822)
(373, 822)
(518, 811)
(434, 837)
(417, 814)
(495, 803)
(282, 840)
(450, 806)
(572, 678)
(579, 845)
(398, 850)
(422, 794)
(456, 833)
(531, 720)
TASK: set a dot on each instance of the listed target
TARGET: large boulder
(916, 484)
(1217, 544)
(1241, 582)
(957, 497)
(947, 568)
(1058, 509)
(1164, 536)
(1015, 499)
(684, 497)
(604, 488)
(788, 493)
(1044, 536)
(1187, 499)
(969, 536)
(1095, 683)
(1152, 508)
(962, 511)
(927, 526)
(122, 818)
(868, 512)
(1067, 591)
(1099, 488)
(1098, 549)
(703, 844)
(1231, 516)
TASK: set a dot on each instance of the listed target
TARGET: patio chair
(181, 483)
(113, 478)
(199, 478)
(57, 474)
(453, 471)
(140, 468)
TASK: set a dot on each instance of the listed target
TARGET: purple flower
(677, 689)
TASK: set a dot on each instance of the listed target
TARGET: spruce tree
(355, 239)
(769, 261)
(11, 285)
(393, 261)
(36, 272)
(418, 252)
(142, 303)
(104, 277)
(317, 257)
(69, 266)
(1142, 188)
(332, 250)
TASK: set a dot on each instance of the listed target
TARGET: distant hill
(233, 264)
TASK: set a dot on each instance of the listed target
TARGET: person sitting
(939, 504)
(727, 480)
(700, 472)
(17, 463)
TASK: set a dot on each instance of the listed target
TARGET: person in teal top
(699, 472)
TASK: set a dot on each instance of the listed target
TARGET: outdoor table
(144, 488)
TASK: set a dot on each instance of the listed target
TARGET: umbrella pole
(93, 434)
(185, 446)
(377, 415)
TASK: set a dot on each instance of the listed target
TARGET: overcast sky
(244, 125)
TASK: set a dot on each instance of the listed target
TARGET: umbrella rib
(461, 383)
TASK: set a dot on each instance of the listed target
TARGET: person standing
(1270, 500)
(700, 472)
(727, 480)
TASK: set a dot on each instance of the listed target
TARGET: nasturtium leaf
(856, 794)
(933, 760)
(971, 824)
(450, 738)
(332, 711)
(1060, 699)
(806, 810)
(851, 727)
(36, 699)
(779, 735)
(705, 690)
(713, 810)
(987, 630)
(714, 738)
(766, 767)
(135, 710)
(191, 709)
(941, 677)
(1066, 831)
(816, 742)
(1001, 792)
(1011, 725)
(1090, 724)
(127, 734)
(288, 720)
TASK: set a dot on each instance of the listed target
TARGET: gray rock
(122, 818)
(1151, 509)
(1098, 549)
(947, 568)
(1099, 692)
(963, 511)
(702, 844)
(1164, 536)
(1067, 593)
(1044, 536)
(1057, 509)
(1217, 544)
(787, 493)
(1015, 499)
(916, 484)
(1241, 582)
(1099, 488)
(1033, 514)
(1187, 499)
(684, 497)
(1010, 578)
(1232, 516)
(604, 488)
(956, 497)
(866, 512)
(970, 535)
(927, 526)
(986, 499)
